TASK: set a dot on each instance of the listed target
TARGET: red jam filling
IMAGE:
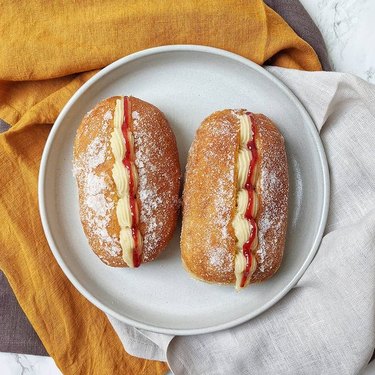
(126, 127)
(249, 186)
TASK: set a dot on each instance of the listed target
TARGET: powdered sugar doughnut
(235, 199)
(126, 165)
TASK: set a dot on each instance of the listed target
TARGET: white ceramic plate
(187, 83)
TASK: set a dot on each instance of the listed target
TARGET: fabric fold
(296, 16)
(141, 343)
(72, 38)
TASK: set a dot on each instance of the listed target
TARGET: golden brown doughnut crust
(156, 159)
(209, 199)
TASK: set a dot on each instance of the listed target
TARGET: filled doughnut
(126, 165)
(235, 200)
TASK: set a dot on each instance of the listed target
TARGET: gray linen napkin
(326, 324)
(17, 334)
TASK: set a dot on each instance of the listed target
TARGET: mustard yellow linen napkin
(47, 51)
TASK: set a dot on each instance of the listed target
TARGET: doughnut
(126, 165)
(235, 200)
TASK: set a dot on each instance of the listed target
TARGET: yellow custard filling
(242, 226)
(121, 178)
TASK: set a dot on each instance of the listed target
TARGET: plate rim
(167, 49)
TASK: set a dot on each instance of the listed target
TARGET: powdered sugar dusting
(155, 181)
(95, 184)
(270, 218)
(272, 222)
(95, 154)
(222, 216)
(147, 193)
(135, 116)
(207, 245)
(108, 115)
(95, 204)
(218, 257)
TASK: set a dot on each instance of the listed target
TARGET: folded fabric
(326, 324)
(42, 56)
(297, 17)
(66, 39)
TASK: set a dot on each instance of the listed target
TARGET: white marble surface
(21, 364)
(348, 28)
